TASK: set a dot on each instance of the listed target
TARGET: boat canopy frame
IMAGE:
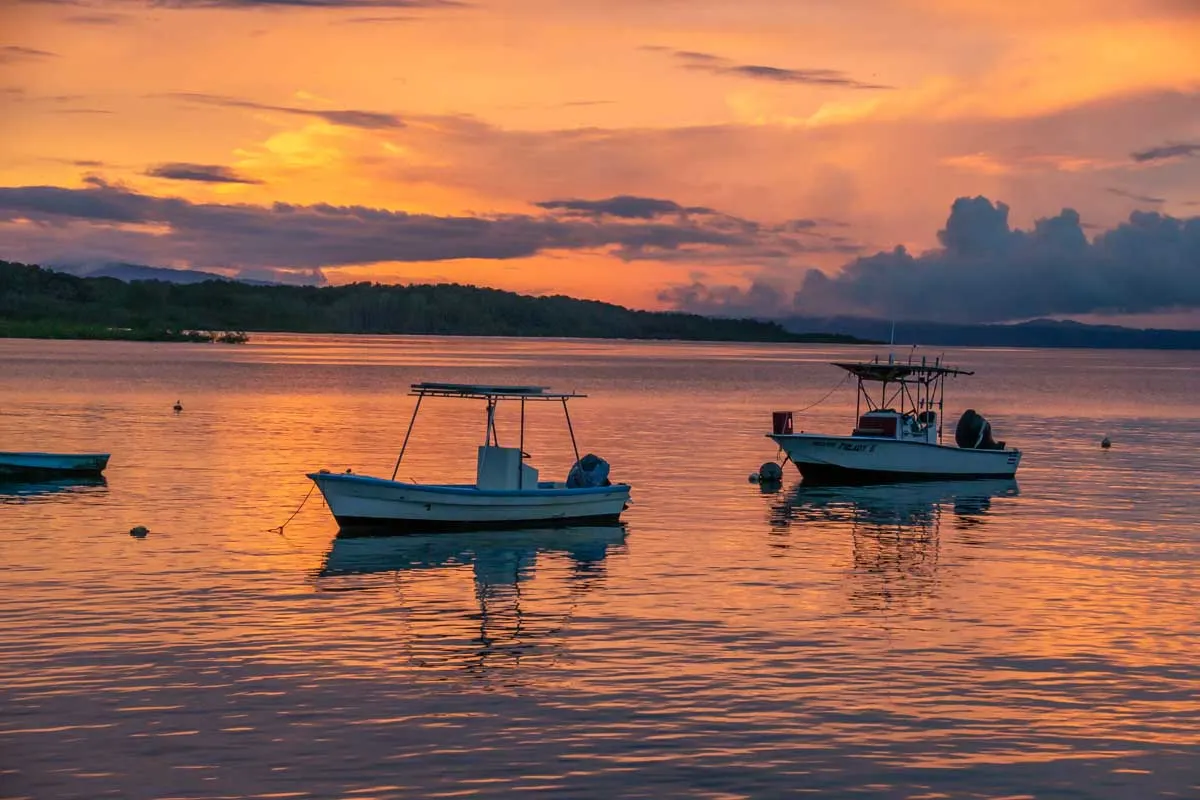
(918, 387)
(492, 395)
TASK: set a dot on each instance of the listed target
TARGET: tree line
(32, 297)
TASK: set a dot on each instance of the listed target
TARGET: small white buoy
(139, 532)
(178, 406)
(1106, 442)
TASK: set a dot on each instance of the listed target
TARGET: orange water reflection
(853, 637)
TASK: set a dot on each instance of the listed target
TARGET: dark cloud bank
(61, 223)
(985, 271)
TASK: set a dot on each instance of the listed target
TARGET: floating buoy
(139, 532)
(770, 472)
(1106, 443)
(178, 406)
(755, 477)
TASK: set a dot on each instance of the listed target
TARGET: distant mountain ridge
(1034, 333)
(141, 272)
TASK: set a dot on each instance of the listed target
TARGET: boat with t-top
(898, 437)
(507, 492)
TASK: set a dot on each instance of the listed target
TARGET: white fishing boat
(507, 493)
(35, 466)
(899, 437)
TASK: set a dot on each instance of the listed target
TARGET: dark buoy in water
(139, 532)
(1106, 442)
(178, 406)
(770, 472)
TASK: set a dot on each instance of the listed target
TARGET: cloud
(13, 52)
(96, 19)
(269, 4)
(204, 173)
(301, 4)
(760, 299)
(717, 65)
(986, 271)
(47, 222)
(623, 206)
(1179, 150)
(291, 277)
(350, 118)
(1141, 198)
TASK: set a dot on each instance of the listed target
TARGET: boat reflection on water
(899, 504)
(23, 492)
(506, 623)
(895, 529)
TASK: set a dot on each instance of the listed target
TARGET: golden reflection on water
(994, 638)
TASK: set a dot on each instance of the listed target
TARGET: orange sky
(866, 119)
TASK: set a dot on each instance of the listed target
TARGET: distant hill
(141, 272)
(32, 298)
(1035, 333)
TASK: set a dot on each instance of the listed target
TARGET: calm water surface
(1003, 639)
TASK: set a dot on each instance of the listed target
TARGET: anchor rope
(280, 528)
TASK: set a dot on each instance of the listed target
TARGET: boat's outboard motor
(589, 471)
(975, 433)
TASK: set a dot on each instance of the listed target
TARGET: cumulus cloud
(203, 173)
(350, 118)
(44, 222)
(1167, 151)
(986, 271)
(718, 65)
(760, 299)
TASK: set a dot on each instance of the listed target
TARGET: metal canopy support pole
(521, 446)
(941, 407)
(404, 446)
(489, 435)
(571, 430)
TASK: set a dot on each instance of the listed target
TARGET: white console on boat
(502, 468)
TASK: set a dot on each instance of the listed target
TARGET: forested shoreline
(43, 303)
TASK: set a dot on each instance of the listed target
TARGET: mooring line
(279, 529)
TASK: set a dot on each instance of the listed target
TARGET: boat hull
(361, 502)
(48, 466)
(864, 459)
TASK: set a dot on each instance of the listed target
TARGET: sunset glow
(778, 138)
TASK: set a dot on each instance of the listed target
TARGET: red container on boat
(781, 423)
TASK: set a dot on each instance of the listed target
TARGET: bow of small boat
(51, 465)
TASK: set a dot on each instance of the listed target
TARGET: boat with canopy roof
(507, 493)
(899, 436)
